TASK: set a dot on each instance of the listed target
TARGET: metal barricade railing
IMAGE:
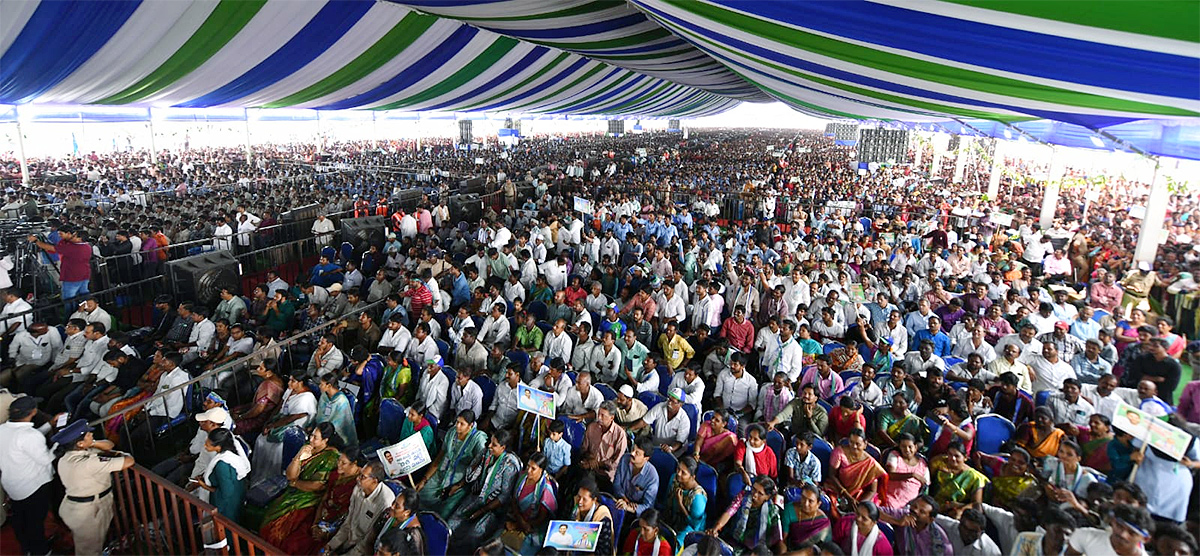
(154, 516)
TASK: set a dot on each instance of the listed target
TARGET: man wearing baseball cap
(86, 470)
(671, 425)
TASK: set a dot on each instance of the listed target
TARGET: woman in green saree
(1013, 477)
(442, 488)
(490, 489)
(335, 408)
(896, 421)
(307, 477)
(958, 485)
(416, 423)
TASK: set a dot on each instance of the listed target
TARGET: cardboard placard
(535, 401)
(577, 536)
(405, 457)
(1151, 430)
(583, 205)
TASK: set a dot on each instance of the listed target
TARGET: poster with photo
(535, 401)
(404, 457)
(577, 536)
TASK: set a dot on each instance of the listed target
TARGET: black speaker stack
(201, 277)
(365, 231)
(473, 185)
(466, 134)
(883, 145)
(616, 127)
(407, 199)
(465, 207)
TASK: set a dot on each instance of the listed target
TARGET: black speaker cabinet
(473, 185)
(465, 208)
(199, 278)
(407, 199)
(365, 231)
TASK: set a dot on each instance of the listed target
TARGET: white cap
(1144, 265)
(216, 415)
(626, 391)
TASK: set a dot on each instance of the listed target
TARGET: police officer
(86, 470)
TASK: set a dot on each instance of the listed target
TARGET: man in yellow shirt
(676, 350)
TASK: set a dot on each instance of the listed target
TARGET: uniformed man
(86, 470)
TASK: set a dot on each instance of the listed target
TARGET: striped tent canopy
(323, 54)
(1092, 65)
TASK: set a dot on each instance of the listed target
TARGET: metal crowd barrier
(153, 516)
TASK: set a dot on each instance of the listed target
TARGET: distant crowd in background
(750, 350)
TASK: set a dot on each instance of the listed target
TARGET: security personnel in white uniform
(86, 470)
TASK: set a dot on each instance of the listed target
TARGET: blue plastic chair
(609, 393)
(391, 419)
(847, 375)
(437, 533)
(573, 433)
(489, 390)
(825, 405)
(185, 414)
(952, 361)
(887, 531)
(1099, 314)
(1042, 398)
(651, 399)
(991, 432)
(831, 346)
(450, 373)
(706, 476)
(433, 421)
(293, 439)
(734, 483)
(823, 450)
(664, 464)
(618, 515)
(544, 326)
(443, 348)
(777, 443)
(664, 379)
(933, 427)
(694, 418)
(538, 309)
(519, 357)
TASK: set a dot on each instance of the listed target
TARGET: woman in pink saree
(715, 443)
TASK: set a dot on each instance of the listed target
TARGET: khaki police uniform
(88, 506)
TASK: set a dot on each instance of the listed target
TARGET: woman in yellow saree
(307, 475)
(1041, 437)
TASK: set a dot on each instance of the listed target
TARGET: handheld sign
(577, 536)
(405, 457)
(535, 401)
(857, 294)
(1155, 432)
(583, 205)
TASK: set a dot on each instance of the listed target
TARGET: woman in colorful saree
(715, 443)
(1013, 478)
(859, 534)
(525, 527)
(588, 508)
(755, 517)
(442, 488)
(334, 407)
(1095, 450)
(898, 420)
(250, 418)
(416, 423)
(687, 502)
(308, 476)
(958, 485)
(853, 473)
(804, 524)
(489, 489)
(146, 387)
(907, 472)
(1041, 438)
(331, 511)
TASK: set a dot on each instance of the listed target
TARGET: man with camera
(75, 254)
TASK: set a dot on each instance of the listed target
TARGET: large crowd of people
(749, 349)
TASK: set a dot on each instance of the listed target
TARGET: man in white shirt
(90, 311)
(1026, 339)
(737, 390)
(162, 409)
(396, 336)
(200, 340)
(29, 351)
(556, 272)
(968, 534)
(791, 355)
(14, 304)
(1069, 408)
(504, 403)
(917, 362)
(690, 382)
(583, 401)
(1049, 371)
(670, 305)
(433, 391)
(322, 228)
(465, 394)
(670, 425)
(496, 329)
(557, 342)
(222, 234)
(27, 474)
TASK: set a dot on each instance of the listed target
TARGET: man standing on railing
(74, 253)
(86, 471)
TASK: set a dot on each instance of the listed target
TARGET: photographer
(75, 254)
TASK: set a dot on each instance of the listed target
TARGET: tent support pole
(1051, 193)
(1150, 234)
(153, 149)
(21, 152)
